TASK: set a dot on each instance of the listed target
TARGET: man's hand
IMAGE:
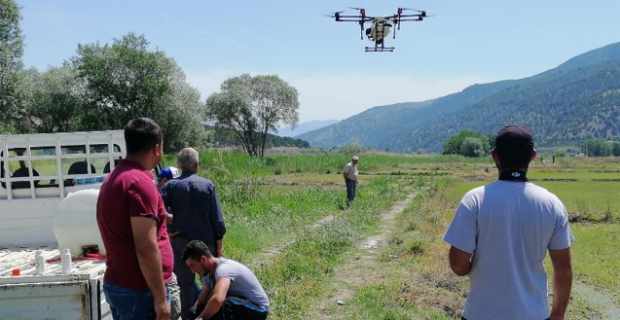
(552, 317)
(162, 310)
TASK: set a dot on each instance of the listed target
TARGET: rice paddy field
(384, 258)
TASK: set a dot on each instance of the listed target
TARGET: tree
(253, 106)
(125, 80)
(11, 50)
(472, 147)
(52, 100)
(455, 144)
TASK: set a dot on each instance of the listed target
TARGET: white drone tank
(75, 222)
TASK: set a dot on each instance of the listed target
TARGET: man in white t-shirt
(350, 174)
(500, 235)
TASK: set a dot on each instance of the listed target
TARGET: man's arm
(149, 257)
(460, 261)
(217, 299)
(217, 220)
(203, 297)
(562, 282)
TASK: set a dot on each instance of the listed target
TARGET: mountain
(578, 100)
(305, 127)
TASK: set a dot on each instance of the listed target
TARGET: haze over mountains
(305, 127)
(576, 101)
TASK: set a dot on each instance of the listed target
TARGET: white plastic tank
(75, 222)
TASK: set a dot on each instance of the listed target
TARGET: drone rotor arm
(411, 15)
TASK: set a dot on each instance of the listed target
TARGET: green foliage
(124, 81)
(249, 107)
(51, 101)
(601, 148)
(469, 144)
(473, 147)
(11, 50)
(103, 87)
(351, 149)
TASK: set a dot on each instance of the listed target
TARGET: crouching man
(229, 289)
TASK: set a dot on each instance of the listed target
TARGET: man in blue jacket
(195, 205)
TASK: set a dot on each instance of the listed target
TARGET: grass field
(283, 219)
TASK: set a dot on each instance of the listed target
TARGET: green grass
(595, 256)
(301, 272)
(279, 198)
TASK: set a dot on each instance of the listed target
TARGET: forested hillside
(576, 101)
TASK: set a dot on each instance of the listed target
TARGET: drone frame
(396, 19)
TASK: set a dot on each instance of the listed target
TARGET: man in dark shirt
(132, 221)
(195, 206)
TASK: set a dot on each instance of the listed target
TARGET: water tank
(75, 222)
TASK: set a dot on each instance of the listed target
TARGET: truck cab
(37, 172)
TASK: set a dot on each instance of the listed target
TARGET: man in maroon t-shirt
(132, 221)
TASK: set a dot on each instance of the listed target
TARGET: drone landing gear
(379, 49)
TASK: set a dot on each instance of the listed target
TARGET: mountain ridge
(407, 127)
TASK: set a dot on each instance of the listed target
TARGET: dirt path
(277, 247)
(351, 275)
(596, 298)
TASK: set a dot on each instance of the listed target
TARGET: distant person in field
(499, 237)
(553, 158)
(230, 290)
(131, 217)
(197, 215)
(350, 174)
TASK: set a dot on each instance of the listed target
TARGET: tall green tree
(253, 106)
(52, 100)
(11, 50)
(125, 80)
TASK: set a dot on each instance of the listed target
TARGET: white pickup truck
(40, 174)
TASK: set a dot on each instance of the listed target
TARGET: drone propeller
(333, 15)
(423, 13)
(362, 10)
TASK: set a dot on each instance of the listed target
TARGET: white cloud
(342, 96)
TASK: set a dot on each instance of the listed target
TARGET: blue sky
(466, 42)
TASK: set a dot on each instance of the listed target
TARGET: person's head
(355, 159)
(514, 148)
(166, 174)
(143, 139)
(198, 258)
(187, 160)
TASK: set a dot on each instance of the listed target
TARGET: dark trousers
(235, 308)
(185, 277)
(351, 184)
(463, 318)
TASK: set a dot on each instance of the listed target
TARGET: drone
(380, 28)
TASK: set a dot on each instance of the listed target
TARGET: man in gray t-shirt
(500, 235)
(229, 289)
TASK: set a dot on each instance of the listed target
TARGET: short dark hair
(141, 135)
(195, 249)
(514, 145)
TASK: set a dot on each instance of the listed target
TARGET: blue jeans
(126, 304)
(351, 184)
